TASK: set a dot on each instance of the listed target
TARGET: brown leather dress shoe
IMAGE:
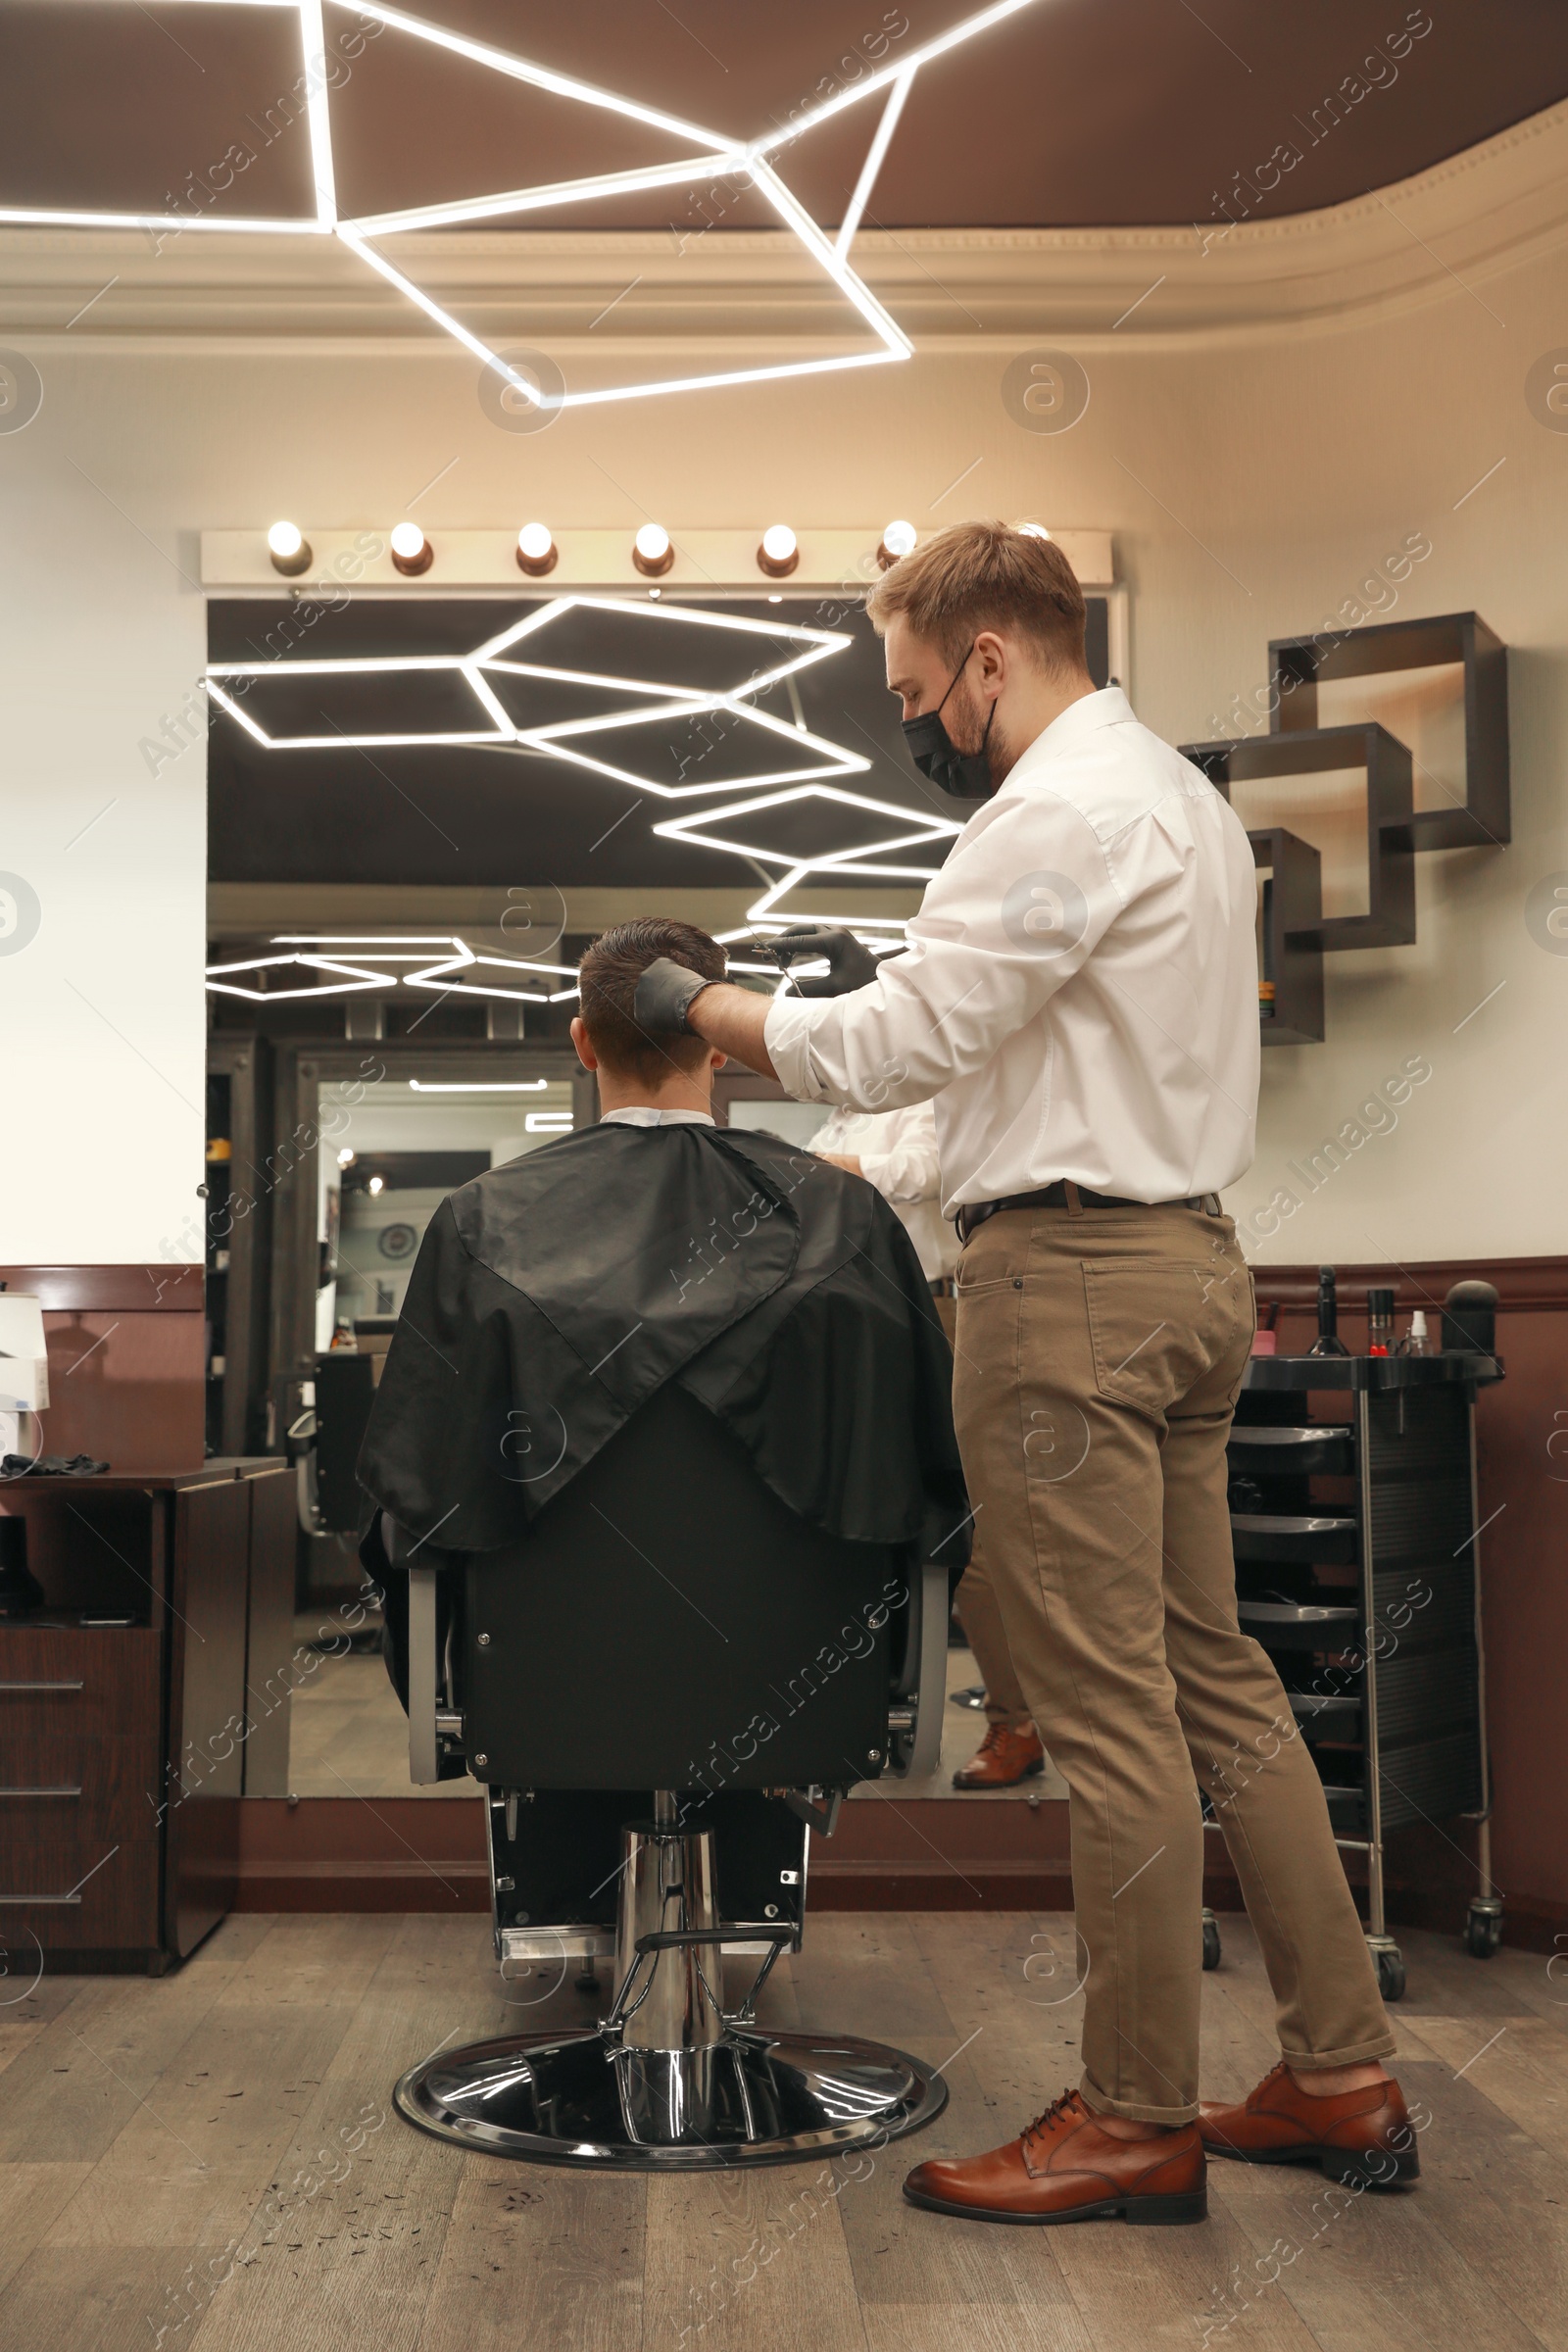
(1003, 1758)
(1363, 2138)
(1065, 2169)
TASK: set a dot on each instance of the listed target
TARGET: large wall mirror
(420, 812)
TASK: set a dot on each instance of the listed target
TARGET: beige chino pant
(980, 1611)
(1098, 1360)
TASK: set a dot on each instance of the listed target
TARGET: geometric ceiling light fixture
(714, 738)
(778, 828)
(708, 738)
(348, 979)
(708, 155)
(430, 976)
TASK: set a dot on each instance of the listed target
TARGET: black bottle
(1328, 1341)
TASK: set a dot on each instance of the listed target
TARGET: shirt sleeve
(1021, 903)
(903, 1164)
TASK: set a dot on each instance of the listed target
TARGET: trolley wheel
(1390, 1972)
(1211, 1945)
(1483, 1929)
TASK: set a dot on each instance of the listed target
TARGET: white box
(23, 1358)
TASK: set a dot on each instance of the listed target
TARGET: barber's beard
(965, 721)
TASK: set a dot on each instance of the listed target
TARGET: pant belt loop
(1075, 1207)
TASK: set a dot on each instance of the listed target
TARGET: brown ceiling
(1077, 113)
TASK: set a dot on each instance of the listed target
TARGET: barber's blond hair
(986, 575)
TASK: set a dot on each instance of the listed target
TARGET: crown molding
(1432, 238)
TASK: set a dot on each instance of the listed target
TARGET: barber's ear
(583, 1043)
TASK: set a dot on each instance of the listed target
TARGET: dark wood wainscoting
(404, 1853)
(127, 1362)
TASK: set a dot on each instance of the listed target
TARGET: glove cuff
(665, 992)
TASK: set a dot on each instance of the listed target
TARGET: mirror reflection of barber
(897, 1152)
(1079, 994)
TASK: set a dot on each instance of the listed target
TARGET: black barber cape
(553, 1296)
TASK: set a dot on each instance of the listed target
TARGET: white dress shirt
(898, 1153)
(1080, 990)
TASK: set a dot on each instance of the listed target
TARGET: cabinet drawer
(81, 1709)
(79, 1785)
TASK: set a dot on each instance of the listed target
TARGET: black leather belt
(1056, 1196)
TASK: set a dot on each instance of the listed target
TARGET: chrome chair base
(751, 2097)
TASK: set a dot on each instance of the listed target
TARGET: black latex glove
(664, 992)
(850, 965)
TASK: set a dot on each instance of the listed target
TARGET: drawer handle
(40, 1685)
(20, 1901)
(40, 1791)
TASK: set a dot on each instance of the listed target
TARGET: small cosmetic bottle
(1380, 1322)
(1417, 1341)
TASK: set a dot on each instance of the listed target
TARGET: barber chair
(661, 1688)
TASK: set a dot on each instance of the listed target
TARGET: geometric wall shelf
(1292, 967)
(1297, 663)
(1390, 918)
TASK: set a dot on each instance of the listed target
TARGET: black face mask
(962, 775)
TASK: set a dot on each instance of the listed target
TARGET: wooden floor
(210, 2160)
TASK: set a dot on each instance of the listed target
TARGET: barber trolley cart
(1357, 1569)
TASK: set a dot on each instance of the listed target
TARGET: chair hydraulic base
(670, 2081)
(752, 2098)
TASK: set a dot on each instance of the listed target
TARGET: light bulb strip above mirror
(832, 561)
(713, 155)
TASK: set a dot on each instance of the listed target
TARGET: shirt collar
(1106, 708)
(647, 1114)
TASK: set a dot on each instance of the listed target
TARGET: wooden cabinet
(123, 1710)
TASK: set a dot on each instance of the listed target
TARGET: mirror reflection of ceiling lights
(782, 809)
(490, 671)
(373, 955)
(708, 155)
(753, 828)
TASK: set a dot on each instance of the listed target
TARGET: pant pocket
(1156, 1326)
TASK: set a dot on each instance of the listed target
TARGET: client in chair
(665, 1487)
(554, 1297)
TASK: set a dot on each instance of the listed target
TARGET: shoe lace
(1044, 2122)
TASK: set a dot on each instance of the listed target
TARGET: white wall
(1250, 487)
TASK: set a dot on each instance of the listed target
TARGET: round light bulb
(412, 552)
(1033, 530)
(345, 1158)
(375, 1185)
(779, 554)
(898, 539)
(537, 552)
(288, 548)
(652, 552)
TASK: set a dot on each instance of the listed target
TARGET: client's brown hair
(607, 978)
(984, 575)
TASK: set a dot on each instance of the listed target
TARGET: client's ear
(716, 1060)
(583, 1043)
